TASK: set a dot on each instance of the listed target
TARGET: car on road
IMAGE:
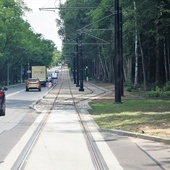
(57, 71)
(2, 100)
(49, 79)
(54, 75)
(33, 83)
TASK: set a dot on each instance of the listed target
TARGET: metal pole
(74, 69)
(81, 62)
(121, 52)
(77, 64)
(117, 55)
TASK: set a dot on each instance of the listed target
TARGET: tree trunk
(157, 71)
(111, 72)
(168, 55)
(102, 65)
(129, 70)
(124, 71)
(165, 63)
(143, 63)
(107, 69)
(136, 47)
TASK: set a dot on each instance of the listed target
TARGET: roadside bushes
(160, 92)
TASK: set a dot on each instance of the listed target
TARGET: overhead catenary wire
(96, 21)
(96, 37)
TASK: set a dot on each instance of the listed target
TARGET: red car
(2, 101)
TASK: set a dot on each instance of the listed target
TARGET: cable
(46, 3)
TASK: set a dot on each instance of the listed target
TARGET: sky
(43, 22)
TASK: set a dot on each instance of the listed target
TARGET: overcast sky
(44, 21)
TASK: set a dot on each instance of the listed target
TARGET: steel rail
(99, 163)
(96, 156)
(21, 160)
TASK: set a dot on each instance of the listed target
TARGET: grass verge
(149, 116)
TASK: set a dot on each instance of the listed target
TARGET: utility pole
(81, 61)
(117, 61)
(74, 66)
(77, 64)
(121, 51)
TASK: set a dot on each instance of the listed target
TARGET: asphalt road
(19, 117)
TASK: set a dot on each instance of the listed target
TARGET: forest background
(20, 46)
(145, 32)
(146, 40)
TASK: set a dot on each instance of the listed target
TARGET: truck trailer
(40, 72)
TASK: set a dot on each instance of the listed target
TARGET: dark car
(2, 100)
(49, 79)
(33, 83)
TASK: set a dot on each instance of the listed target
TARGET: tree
(146, 26)
(19, 45)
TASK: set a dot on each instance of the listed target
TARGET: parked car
(33, 83)
(2, 100)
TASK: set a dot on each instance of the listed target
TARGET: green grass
(132, 114)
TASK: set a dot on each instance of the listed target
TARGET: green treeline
(146, 39)
(20, 47)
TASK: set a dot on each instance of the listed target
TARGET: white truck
(40, 72)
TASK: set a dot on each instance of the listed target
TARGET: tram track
(61, 100)
(98, 163)
(22, 159)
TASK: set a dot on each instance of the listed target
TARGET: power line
(66, 8)
(96, 21)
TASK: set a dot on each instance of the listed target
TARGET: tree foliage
(20, 46)
(148, 21)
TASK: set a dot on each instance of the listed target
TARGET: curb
(131, 134)
(136, 135)
(32, 106)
